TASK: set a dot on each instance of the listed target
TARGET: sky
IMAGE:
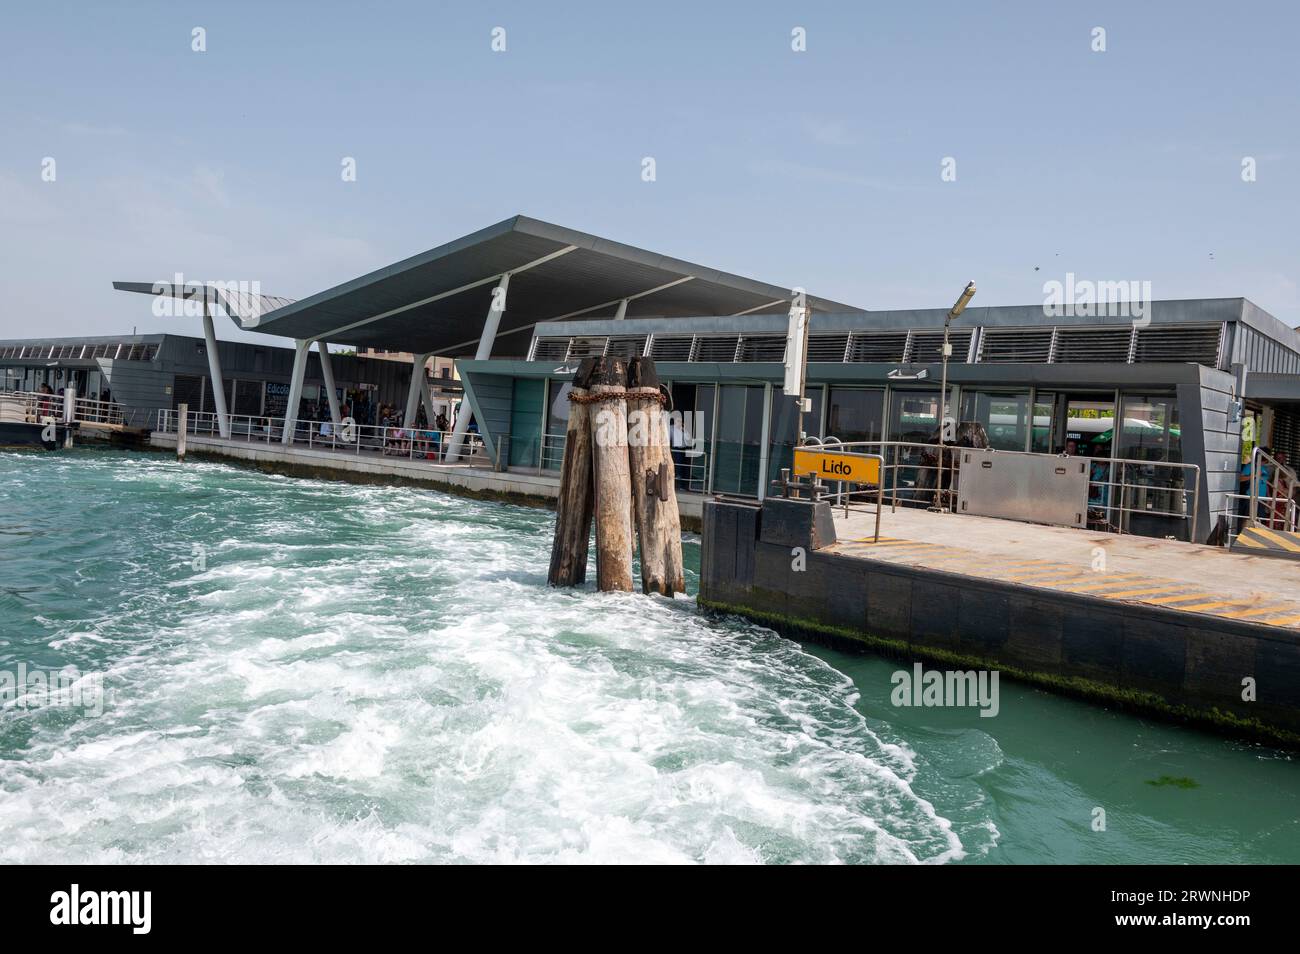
(820, 168)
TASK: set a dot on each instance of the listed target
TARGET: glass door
(739, 443)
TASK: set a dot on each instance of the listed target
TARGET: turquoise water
(314, 671)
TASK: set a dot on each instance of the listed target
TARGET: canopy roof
(437, 301)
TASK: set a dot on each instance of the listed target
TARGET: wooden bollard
(611, 478)
(573, 510)
(654, 490)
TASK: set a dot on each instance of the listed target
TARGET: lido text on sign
(857, 468)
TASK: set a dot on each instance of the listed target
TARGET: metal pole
(958, 307)
(803, 376)
(214, 370)
(183, 422)
(483, 353)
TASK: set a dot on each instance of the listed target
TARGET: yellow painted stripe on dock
(1259, 611)
(895, 543)
(1058, 581)
(1043, 572)
(1277, 539)
(1117, 581)
(1212, 605)
(1161, 600)
(1285, 621)
(1147, 591)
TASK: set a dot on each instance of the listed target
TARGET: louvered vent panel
(551, 349)
(671, 348)
(627, 346)
(586, 347)
(1178, 343)
(720, 348)
(1085, 345)
(927, 347)
(884, 347)
(1016, 345)
(827, 347)
(763, 348)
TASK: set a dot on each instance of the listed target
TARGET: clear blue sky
(819, 169)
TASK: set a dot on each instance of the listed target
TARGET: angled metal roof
(240, 303)
(437, 301)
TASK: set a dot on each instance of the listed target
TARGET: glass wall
(855, 414)
(1045, 432)
(783, 433)
(914, 416)
(739, 439)
(557, 423)
(526, 422)
(1005, 416)
(690, 433)
(1153, 496)
(1089, 426)
(1151, 430)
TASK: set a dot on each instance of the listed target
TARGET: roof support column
(327, 372)
(622, 310)
(419, 385)
(214, 370)
(302, 347)
(485, 342)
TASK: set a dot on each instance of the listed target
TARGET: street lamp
(962, 301)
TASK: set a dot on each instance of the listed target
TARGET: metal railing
(412, 443)
(922, 474)
(690, 466)
(1275, 508)
(37, 406)
(1277, 513)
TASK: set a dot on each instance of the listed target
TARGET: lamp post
(958, 307)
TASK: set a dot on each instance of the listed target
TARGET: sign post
(796, 356)
(958, 307)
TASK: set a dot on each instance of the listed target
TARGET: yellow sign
(857, 468)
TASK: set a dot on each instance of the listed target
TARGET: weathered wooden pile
(618, 469)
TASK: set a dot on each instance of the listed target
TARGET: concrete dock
(1183, 577)
(1184, 631)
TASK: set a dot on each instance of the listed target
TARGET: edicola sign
(858, 468)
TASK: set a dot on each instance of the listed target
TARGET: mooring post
(182, 425)
(654, 483)
(612, 479)
(574, 508)
(69, 413)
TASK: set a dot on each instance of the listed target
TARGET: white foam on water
(423, 696)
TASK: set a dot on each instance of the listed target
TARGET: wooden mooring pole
(654, 482)
(611, 476)
(618, 472)
(573, 511)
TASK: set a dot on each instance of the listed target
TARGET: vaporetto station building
(1182, 395)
